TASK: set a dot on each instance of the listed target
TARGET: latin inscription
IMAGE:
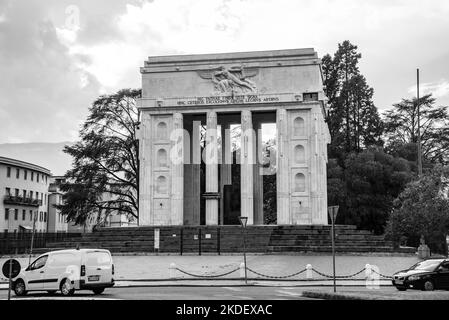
(241, 99)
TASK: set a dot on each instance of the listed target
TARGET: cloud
(57, 56)
(43, 94)
(438, 89)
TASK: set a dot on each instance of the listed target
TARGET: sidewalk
(140, 270)
(383, 293)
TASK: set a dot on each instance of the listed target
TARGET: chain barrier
(382, 275)
(276, 277)
(207, 276)
(339, 277)
(282, 277)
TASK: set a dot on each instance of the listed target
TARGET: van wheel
(66, 288)
(98, 290)
(19, 288)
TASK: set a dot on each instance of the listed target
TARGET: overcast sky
(57, 56)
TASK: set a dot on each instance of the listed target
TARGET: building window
(16, 192)
(37, 177)
(8, 191)
(24, 213)
(311, 96)
(16, 214)
(31, 215)
(32, 175)
(6, 214)
(17, 173)
(45, 216)
(8, 172)
(24, 194)
(25, 174)
(31, 194)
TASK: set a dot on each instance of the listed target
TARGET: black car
(425, 275)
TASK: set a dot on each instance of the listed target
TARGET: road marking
(288, 293)
(233, 289)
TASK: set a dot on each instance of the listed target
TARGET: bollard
(309, 272)
(368, 272)
(172, 270)
(242, 270)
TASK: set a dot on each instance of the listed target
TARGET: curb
(332, 296)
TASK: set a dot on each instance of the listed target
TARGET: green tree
(104, 177)
(423, 209)
(353, 119)
(401, 130)
(365, 190)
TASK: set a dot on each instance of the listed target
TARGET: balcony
(22, 201)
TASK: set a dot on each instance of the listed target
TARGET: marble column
(282, 172)
(246, 167)
(258, 176)
(211, 160)
(226, 169)
(177, 159)
(145, 172)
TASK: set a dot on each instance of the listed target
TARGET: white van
(67, 270)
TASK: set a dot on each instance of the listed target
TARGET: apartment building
(24, 190)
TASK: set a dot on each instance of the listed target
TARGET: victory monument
(202, 157)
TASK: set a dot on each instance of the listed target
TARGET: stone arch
(162, 159)
(300, 182)
(299, 128)
(161, 185)
(161, 130)
(300, 154)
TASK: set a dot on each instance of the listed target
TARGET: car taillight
(112, 269)
(83, 270)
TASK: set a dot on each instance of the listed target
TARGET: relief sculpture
(231, 79)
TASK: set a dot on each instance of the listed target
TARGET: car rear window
(98, 258)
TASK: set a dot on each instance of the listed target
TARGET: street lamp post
(243, 221)
(333, 214)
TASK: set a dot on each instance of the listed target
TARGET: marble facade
(180, 93)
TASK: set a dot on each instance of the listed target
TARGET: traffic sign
(15, 268)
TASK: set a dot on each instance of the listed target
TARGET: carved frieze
(231, 80)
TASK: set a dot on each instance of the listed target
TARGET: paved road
(178, 293)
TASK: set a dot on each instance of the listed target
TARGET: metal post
(419, 126)
(244, 254)
(32, 238)
(10, 263)
(333, 250)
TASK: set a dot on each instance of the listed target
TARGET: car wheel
(19, 288)
(66, 288)
(428, 286)
(401, 289)
(98, 290)
(51, 291)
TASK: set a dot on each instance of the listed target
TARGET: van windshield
(98, 259)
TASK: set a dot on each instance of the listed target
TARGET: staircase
(229, 239)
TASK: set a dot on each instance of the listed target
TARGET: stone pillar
(145, 176)
(282, 174)
(226, 161)
(196, 172)
(177, 159)
(258, 176)
(211, 160)
(246, 167)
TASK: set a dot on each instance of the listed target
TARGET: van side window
(39, 263)
(63, 259)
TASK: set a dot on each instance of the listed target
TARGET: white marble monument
(184, 92)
